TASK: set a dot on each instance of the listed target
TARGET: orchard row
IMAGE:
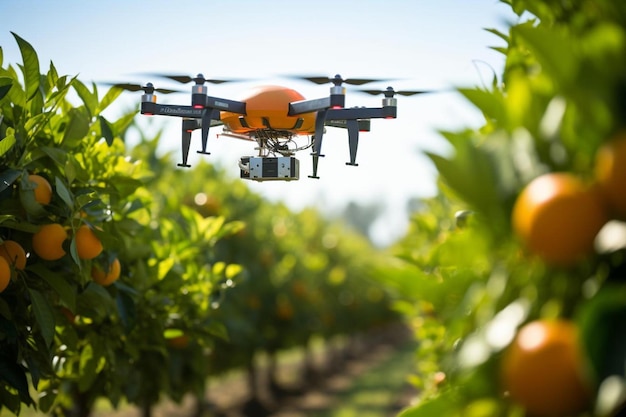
(123, 277)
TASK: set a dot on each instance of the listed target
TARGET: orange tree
(513, 274)
(302, 275)
(65, 168)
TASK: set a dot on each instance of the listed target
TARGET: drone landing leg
(320, 120)
(185, 146)
(315, 161)
(353, 140)
(207, 116)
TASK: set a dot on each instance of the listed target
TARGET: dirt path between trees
(330, 389)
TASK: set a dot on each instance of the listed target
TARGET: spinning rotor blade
(198, 79)
(390, 92)
(338, 80)
(148, 88)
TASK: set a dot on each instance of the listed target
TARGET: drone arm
(364, 125)
(233, 106)
(362, 113)
(155, 109)
(309, 106)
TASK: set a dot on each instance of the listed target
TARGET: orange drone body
(267, 107)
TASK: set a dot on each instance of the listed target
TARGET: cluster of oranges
(48, 243)
(558, 215)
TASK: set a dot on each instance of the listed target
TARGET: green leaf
(58, 282)
(5, 310)
(499, 34)
(490, 103)
(10, 400)
(46, 399)
(30, 68)
(218, 329)
(7, 144)
(232, 270)
(555, 51)
(74, 251)
(97, 300)
(471, 175)
(70, 171)
(500, 49)
(442, 405)
(8, 177)
(52, 75)
(15, 376)
(90, 99)
(105, 130)
(58, 155)
(90, 359)
(44, 314)
(63, 192)
(77, 127)
(603, 324)
(126, 308)
(164, 267)
(12, 222)
(121, 124)
(5, 85)
(109, 98)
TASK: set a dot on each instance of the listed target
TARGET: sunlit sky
(411, 44)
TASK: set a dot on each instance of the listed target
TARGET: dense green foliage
(472, 282)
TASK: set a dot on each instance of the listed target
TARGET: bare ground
(229, 396)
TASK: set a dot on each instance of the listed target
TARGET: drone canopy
(267, 108)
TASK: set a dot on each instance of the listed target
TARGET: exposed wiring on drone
(272, 142)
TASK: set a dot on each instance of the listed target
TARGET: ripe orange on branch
(610, 173)
(543, 369)
(88, 245)
(43, 189)
(14, 254)
(5, 274)
(557, 216)
(109, 277)
(179, 342)
(48, 241)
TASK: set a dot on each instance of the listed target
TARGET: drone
(275, 117)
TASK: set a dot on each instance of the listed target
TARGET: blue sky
(416, 44)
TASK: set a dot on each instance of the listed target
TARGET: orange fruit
(284, 309)
(48, 241)
(5, 274)
(71, 317)
(43, 189)
(557, 216)
(610, 173)
(179, 342)
(109, 277)
(439, 378)
(88, 245)
(14, 253)
(543, 369)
